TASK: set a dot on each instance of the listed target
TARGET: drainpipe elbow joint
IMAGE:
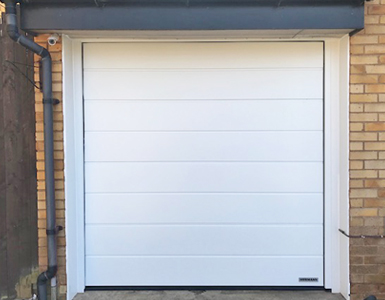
(13, 32)
(11, 20)
(51, 272)
(47, 275)
(44, 53)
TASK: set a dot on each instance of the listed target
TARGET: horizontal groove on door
(213, 116)
(208, 55)
(264, 146)
(204, 177)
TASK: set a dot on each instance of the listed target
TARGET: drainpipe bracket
(54, 231)
(51, 101)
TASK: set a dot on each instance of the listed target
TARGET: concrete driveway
(208, 295)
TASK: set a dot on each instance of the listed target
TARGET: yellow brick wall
(367, 154)
(59, 163)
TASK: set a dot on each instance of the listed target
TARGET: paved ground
(208, 295)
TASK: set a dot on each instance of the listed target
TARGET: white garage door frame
(336, 70)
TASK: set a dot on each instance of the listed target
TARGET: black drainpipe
(48, 101)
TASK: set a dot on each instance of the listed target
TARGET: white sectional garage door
(204, 164)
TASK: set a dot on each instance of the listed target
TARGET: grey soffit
(70, 15)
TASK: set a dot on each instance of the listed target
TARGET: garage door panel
(209, 55)
(207, 84)
(204, 177)
(157, 240)
(204, 164)
(203, 271)
(204, 208)
(203, 115)
(204, 146)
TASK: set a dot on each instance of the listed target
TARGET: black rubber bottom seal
(206, 288)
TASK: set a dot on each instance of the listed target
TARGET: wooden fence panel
(18, 191)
